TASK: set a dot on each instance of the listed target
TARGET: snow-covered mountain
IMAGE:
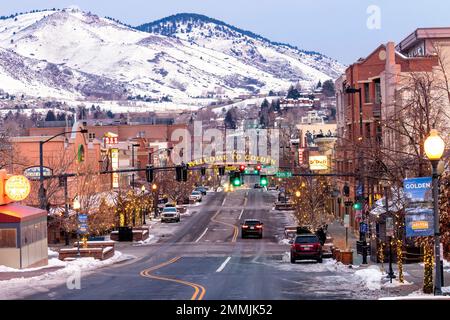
(74, 54)
(281, 60)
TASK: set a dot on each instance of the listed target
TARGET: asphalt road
(204, 257)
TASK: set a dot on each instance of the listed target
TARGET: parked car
(306, 247)
(272, 188)
(196, 196)
(170, 214)
(202, 189)
(252, 227)
(257, 186)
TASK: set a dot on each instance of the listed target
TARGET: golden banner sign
(234, 157)
(419, 225)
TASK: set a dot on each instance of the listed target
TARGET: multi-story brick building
(376, 81)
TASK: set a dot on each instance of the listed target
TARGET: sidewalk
(413, 273)
(337, 231)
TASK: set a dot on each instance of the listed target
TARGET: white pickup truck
(170, 214)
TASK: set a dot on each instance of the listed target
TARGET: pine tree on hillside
(230, 119)
(293, 93)
(328, 88)
(50, 116)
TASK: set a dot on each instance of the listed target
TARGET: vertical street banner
(115, 166)
(418, 207)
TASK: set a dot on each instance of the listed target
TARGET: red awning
(13, 213)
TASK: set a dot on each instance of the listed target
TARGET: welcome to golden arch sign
(232, 158)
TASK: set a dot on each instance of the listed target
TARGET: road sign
(34, 173)
(82, 223)
(359, 190)
(363, 227)
(285, 174)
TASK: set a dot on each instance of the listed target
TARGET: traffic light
(235, 179)
(149, 173)
(263, 181)
(179, 173)
(258, 167)
(221, 171)
(346, 191)
(203, 171)
(357, 206)
(185, 173)
(242, 167)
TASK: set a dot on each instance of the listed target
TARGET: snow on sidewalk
(150, 240)
(20, 287)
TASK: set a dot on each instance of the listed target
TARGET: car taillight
(316, 246)
(259, 226)
(244, 226)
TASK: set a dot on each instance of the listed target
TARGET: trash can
(125, 234)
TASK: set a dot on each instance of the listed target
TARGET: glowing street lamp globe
(434, 146)
(297, 194)
(76, 204)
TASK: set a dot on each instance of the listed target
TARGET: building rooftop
(13, 213)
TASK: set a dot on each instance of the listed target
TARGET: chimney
(390, 53)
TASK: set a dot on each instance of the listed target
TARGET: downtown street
(204, 257)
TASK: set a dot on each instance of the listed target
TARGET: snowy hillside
(281, 60)
(73, 54)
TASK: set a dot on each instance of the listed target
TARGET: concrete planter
(347, 257)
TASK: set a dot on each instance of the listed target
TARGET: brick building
(378, 78)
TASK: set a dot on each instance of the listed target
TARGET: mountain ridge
(215, 60)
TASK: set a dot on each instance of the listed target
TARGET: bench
(100, 253)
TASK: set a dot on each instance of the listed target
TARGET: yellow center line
(197, 287)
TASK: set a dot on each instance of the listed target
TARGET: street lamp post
(76, 207)
(132, 163)
(142, 211)
(155, 198)
(42, 191)
(389, 233)
(434, 148)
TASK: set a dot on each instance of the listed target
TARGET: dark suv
(306, 247)
(252, 227)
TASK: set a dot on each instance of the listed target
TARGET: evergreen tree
(319, 85)
(328, 88)
(110, 114)
(293, 93)
(230, 119)
(50, 116)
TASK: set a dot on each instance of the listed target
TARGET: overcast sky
(337, 28)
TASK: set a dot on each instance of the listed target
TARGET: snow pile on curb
(151, 239)
(53, 261)
(328, 265)
(395, 283)
(371, 277)
(284, 241)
